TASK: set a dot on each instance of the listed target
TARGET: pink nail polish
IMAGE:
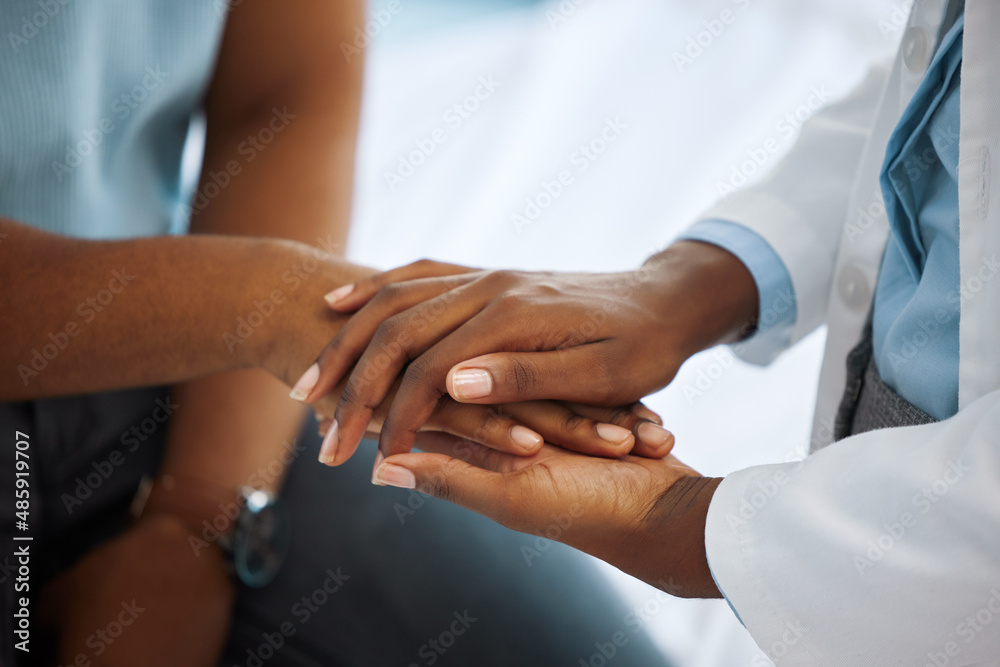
(653, 435)
(392, 475)
(616, 435)
(337, 295)
(471, 384)
(328, 451)
(378, 461)
(525, 437)
(306, 384)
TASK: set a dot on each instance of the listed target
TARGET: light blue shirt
(917, 300)
(96, 105)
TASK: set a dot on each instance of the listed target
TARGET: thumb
(576, 374)
(450, 479)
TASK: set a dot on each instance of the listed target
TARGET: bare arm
(87, 316)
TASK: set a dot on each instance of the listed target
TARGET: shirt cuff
(777, 311)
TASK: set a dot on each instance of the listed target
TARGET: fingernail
(324, 426)
(306, 383)
(525, 437)
(471, 384)
(653, 435)
(337, 295)
(328, 451)
(392, 475)
(616, 435)
(644, 412)
(378, 461)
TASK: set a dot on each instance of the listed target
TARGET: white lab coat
(884, 548)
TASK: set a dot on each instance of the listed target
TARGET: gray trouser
(417, 581)
(869, 404)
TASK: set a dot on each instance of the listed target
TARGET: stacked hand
(431, 338)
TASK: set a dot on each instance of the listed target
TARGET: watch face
(260, 542)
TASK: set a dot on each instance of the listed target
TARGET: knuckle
(388, 293)
(423, 265)
(523, 375)
(572, 422)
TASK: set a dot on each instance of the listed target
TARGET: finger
(473, 453)
(397, 341)
(573, 374)
(486, 425)
(351, 297)
(343, 351)
(576, 430)
(423, 382)
(651, 440)
(492, 494)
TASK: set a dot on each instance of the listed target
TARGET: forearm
(87, 316)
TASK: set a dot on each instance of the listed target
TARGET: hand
(501, 337)
(518, 428)
(644, 516)
(174, 606)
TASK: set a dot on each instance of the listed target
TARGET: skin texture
(599, 339)
(644, 516)
(173, 320)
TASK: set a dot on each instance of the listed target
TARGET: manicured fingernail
(378, 461)
(616, 435)
(525, 437)
(328, 452)
(392, 475)
(337, 295)
(306, 383)
(653, 435)
(471, 384)
(645, 413)
(324, 426)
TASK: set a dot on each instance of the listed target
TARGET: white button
(915, 49)
(854, 288)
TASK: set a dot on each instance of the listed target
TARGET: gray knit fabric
(869, 403)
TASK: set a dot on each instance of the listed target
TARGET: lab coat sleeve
(882, 549)
(776, 313)
(800, 207)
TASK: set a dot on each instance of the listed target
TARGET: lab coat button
(915, 49)
(854, 288)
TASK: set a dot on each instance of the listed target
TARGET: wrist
(705, 294)
(674, 529)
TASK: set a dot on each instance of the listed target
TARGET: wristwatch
(249, 525)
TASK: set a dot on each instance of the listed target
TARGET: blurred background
(473, 108)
